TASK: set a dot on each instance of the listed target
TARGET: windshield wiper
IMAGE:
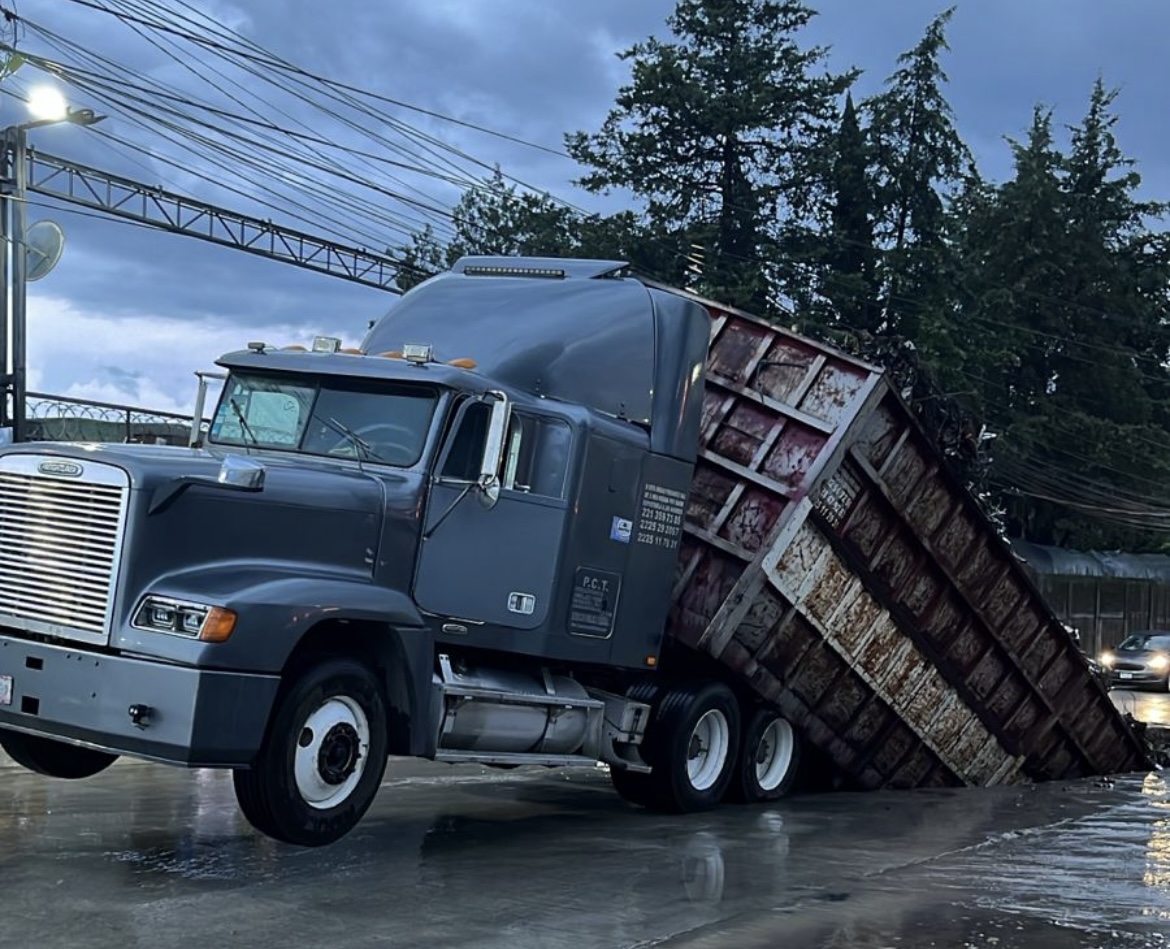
(354, 438)
(250, 436)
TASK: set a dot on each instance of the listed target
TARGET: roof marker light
(326, 344)
(418, 354)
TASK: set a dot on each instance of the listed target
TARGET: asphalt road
(147, 856)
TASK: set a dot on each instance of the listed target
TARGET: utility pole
(50, 109)
(7, 381)
(15, 297)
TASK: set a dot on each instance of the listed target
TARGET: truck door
(497, 565)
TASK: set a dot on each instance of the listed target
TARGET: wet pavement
(1153, 708)
(147, 856)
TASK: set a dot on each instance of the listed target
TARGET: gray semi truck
(548, 513)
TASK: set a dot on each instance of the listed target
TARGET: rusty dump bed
(833, 561)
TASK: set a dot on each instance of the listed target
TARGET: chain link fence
(60, 419)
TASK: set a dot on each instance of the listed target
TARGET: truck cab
(586, 435)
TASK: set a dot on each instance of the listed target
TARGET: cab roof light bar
(485, 270)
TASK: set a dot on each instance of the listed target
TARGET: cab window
(536, 452)
(536, 455)
(386, 423)
(466, 452)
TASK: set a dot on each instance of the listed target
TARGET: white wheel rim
(331, 752)
(707, 750)
(774, 755)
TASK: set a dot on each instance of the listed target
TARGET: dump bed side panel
(955, 588)
(775, 409)
(836, 566)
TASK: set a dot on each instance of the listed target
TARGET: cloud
(139, 358)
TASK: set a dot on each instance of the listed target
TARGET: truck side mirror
(488, 484)
(243, 474)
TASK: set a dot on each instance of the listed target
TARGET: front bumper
(1143, 677)
(197, 717)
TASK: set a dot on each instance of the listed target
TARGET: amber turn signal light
(218, 626)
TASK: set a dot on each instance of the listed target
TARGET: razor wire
(68, 419)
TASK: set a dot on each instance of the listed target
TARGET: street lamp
(47, 106)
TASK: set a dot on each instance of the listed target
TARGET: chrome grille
(60, 543)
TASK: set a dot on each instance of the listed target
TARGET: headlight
(1159, 663)
(1107, 659)
(158, 614)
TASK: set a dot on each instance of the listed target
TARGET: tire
(769, 759)
(691, 745)
(54, 759)
(323, 759)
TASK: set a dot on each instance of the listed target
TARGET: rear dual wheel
(699, 755)
(691, 745)
(769, 759)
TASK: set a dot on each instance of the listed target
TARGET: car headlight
(1159, 663)
(160, 614)
(1107, 659)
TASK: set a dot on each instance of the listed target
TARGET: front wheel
(54, 759)
(323, 759)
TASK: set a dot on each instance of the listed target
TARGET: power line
(254, 56)
(266, 58)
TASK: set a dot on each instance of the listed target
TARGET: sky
(129, 315)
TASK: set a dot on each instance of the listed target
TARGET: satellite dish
(43, 243)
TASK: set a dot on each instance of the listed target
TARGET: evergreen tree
(1015, 250)
(715, 133)
(1068, 291)
(849, 283)
(920, 163)
(1118, 264)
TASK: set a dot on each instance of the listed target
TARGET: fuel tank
(495, 710)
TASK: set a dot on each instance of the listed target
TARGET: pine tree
(715, 132)
(1015, 252)
(920, 164)
(1118, 265)
(849, 283)
(1068, 286)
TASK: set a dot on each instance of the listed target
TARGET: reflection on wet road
(1153, 708)
(143, 856)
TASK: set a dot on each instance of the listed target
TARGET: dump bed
(836, 563)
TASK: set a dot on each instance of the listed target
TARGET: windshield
(344, 418)
(1146, 641)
